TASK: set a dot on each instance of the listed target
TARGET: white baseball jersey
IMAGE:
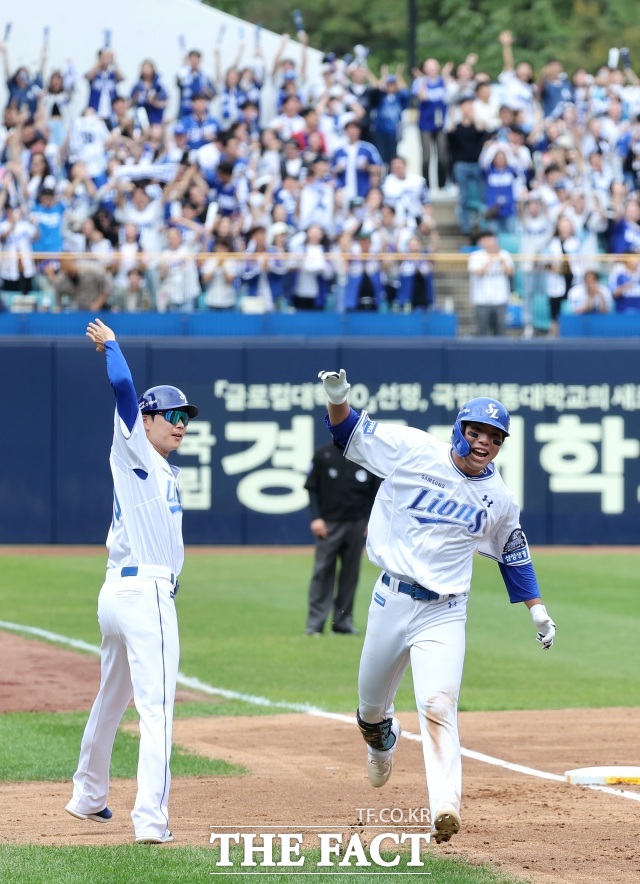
(149, 221)
(407, 195)
(429, 518)
(147, 515)
(87, 141)
(493, 286)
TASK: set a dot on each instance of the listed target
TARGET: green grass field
(242, 618)
(187, 865)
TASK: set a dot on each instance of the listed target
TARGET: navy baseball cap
(179, 129)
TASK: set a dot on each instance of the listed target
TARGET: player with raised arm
(136, 608)
(437, 505)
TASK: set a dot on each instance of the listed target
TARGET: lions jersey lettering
(429, 518)
(117, 509)
(173, 496)
(448, 510)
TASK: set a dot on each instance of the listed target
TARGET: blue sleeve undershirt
(521, 582)
(122, 383)
(342, 432)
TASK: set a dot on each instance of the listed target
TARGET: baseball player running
(136, 609)
(437, 505)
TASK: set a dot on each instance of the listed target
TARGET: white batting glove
(545, 626)
(335, 385)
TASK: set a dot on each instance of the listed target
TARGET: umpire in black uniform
(341, 495)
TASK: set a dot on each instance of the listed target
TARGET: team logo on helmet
(492, 411)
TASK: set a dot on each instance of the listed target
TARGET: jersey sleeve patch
(516, 549)
(369, 427)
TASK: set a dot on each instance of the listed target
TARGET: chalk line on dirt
(186, 681)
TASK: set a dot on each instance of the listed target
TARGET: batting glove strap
(335, 385)
(544, 624)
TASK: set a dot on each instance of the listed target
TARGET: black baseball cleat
(102, 816)
(350, 630)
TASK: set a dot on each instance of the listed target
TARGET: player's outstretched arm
(117, 371)
(543, 623)
(98, 332)
(336, 387)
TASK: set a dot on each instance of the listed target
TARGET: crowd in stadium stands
(233, 201)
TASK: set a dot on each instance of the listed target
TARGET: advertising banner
(572, 460)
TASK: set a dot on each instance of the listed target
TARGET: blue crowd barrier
(433, 324)
(600, 325)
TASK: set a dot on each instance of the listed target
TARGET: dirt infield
(311, 771)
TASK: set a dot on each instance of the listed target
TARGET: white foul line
(195, 684)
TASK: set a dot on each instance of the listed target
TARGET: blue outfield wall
(573, 459)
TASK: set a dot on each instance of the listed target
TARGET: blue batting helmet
(483, 411)
(163, 398)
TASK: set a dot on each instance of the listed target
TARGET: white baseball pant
(139, 658)
(431, 636)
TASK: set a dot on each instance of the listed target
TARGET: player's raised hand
(98, 332)
(545, 626)
(335, 385)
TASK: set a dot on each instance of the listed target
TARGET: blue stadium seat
(514, 315)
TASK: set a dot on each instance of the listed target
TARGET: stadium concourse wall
(573, 458)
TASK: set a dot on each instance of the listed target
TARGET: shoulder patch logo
(516, 541)
(369, 427)
(516, 549)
